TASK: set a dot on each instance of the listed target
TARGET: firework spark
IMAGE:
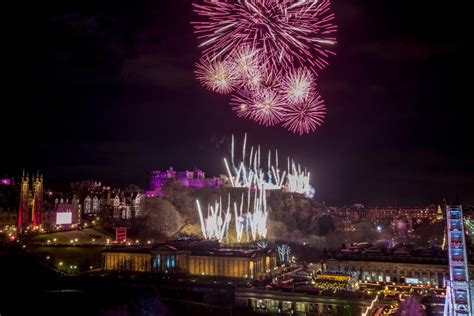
(289, 32)
(267, 53)
(242, 104)
(268, 110)
(217, 76)
(252, 80)
(266, 107)
(246, 59)
(297, 85)
(306, 116)
(252, 222)
(271, 78)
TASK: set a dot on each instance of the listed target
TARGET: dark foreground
(28, 288)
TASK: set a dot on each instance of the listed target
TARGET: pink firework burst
(265, 106)
(271, 78)
(247, 64)
(306, 116)
(242, 103)
(268, 108)
(216, 75)
(297, 85)
(246, 59)
(288, 32)
(252, 80)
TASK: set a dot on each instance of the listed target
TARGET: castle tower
(439, 214)
(23, 213)
(37, 207)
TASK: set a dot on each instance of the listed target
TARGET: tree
(325, 225)
(161, 218)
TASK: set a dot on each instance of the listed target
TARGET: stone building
(402, 269)
(203, 258)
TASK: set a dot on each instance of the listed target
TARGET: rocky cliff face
(291, 216)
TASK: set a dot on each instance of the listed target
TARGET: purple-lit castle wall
(189, 179)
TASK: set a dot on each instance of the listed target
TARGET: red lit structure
(120, 234)
(30, 210)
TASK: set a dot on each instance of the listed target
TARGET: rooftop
(195, 246)
(402, 257)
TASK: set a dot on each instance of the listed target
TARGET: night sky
(106, 90)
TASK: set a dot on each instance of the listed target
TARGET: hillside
(290, 215)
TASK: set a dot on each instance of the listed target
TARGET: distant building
(358, 212)
(400, 265)
(94, 196)
(128, 205)
(87, 205)
(204, 258)
(95, 204)
(414, 213)
(189, 179)
(439, 214)
(66, 212)
(349, 214)
(138, 205)
(30, 208)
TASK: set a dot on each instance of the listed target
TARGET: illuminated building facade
(129, 260)
(95, 204)
(128, 206)
(402, 268)
(415, 213)
(37, 206)
(359, 212)
(423, 272)
(189, 179)
(87, 205)
(203, 258)
(30, 210)
(66, 212)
